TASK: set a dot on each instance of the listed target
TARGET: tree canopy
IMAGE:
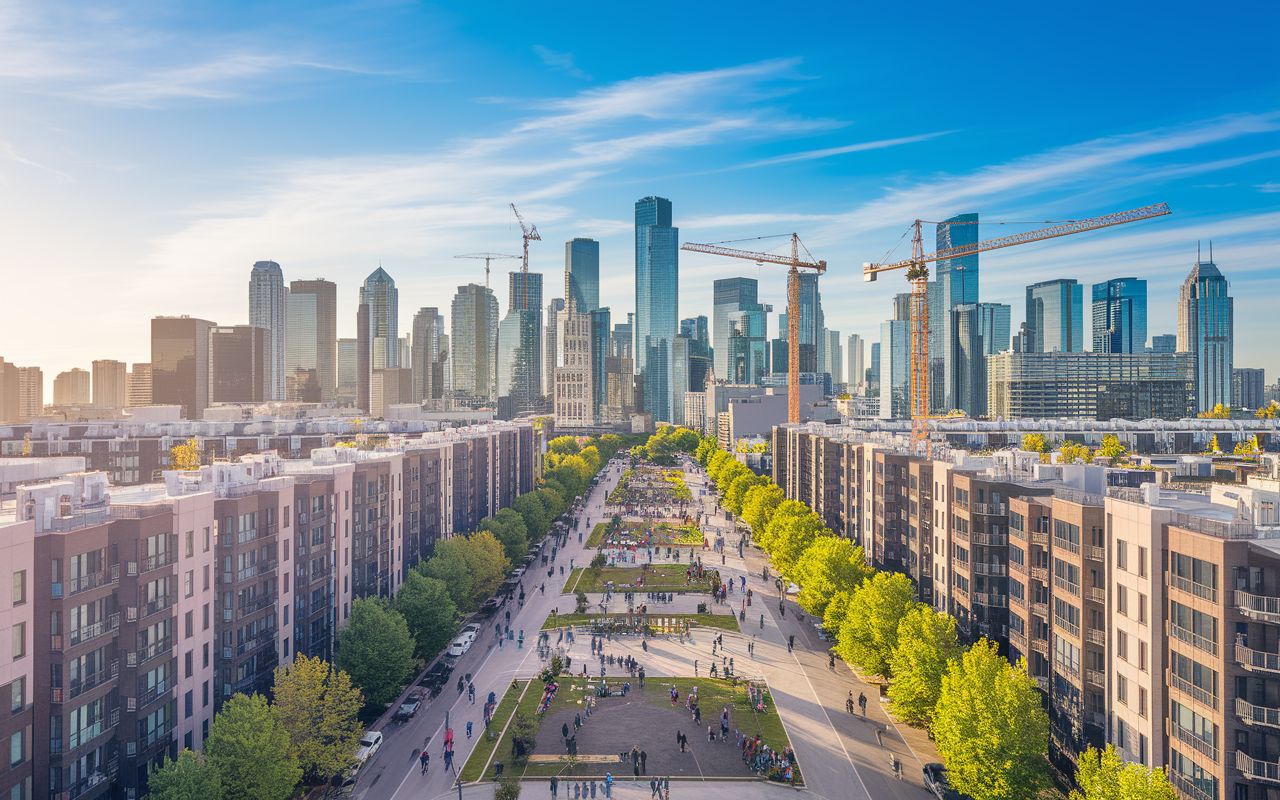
(376, 650)
(927, 644)
(190, 777)
(249, 747)
(319, 707)
(791, 531)
(509, 529)
(759, 505)
(1105, 776)
(832, 564)
(869, 634)
(536, 520)
(429, 612)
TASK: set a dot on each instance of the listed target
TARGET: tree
(185, 456)
(1104, 776)
(737, 492)
(524, 733)
(927, 645)
(508, 788)
(536, 521)
(429, 612)
(487, 563)
(191, 777)
(1213, 445)
(318, 706)
(831, 564)
(705, 448)
(837, 611)
(869, 634)
(990, 728)
(449, 566)
(793, 528)
(376, 650)
(759, 505)
(1034, 442)
(249, 748)
(1246, 447)
(1219, 411)
(1112, 447)
(1270, 411)
(509, 529)
(563, 445)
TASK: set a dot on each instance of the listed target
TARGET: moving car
(370, 743)
(935, 780)
(409, 708)
(489, 606)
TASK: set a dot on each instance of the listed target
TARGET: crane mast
(487, 258)
(529, 234)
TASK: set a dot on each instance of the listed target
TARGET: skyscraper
(474, 323)
(526, 291)
(1055, 317)
(1120, 316)
(680, 347)
(573, 401)
(428, 355)
(348, 371)
(811, 322)
(955, 284)
(1164, 343)
(1248, 387)
(550, 345)
(1206, 329)
(873, 370)
(110, 384)
(139, 385)
(240, 364)
(379, 293)
(267, 301)
(855, 352)
(959, 275)
(364, 357)
(657, 281)
(729, 294)
(72, 388)
(315, 322)
(895, 369)
(746, 346)
(601, 348)
(520, 372)
(834, 357)
(180, 364)
(624, 338)
(582, 273)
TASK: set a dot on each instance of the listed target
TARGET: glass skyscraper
(582, 273)
(379, 292)
(472, 363)
(894, 358)
(956, 284)
(601, 346)
(730, 294)
(1055, 317)
(1206, 329)
(267, 298)
(316, 350)
(520, 360)
(657, 298)
(746, 348)
(1120, 316)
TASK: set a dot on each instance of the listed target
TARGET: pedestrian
(680, 740)
(643, 756)
(608, 785)
(762, 622)
(711, 734)
(468, 729)
(653, 789)
(593, 790)
(695, 668)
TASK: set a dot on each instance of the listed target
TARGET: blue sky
(151, 152)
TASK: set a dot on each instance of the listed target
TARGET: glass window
(15, 749)
(19, 587)
(18, 692)
(19, 639)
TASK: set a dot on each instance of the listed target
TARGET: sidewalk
(628, 789)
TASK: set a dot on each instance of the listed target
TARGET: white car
(460, 646)
(370, 743)
(472, 630)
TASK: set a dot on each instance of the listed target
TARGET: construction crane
(487, 258)
(796, 263)
(918, 274)
(530, 235)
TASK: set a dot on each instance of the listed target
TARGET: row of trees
(1072, 452)
(985, 713)
(260, 750)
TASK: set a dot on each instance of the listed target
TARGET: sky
(151, 152)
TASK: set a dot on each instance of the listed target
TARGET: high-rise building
(348, 371)
(9, 392)
(873, 370)
(680, 347)
(582, 273)
(729, 294)
(969, 392)
(30, 392)
(519, 362)
(474, 323)
(1102, 386)
(267, 300)
(240, 359)
(624, 338)
(657, 379)
(1120, 316)
(746, 345)
(1164, 343)
(1206, 329)
(834, 356)
(1055, 317)
(812, 321)
(958, 275)
(697, 330)
(139, 385)
(855, 353)
(573, 402)
(110, 389)
(550, 345)
(72, 388)
(657, 295)
(956, 283)
(601, 347)
(895, 368)
(1248, 387)
(317, 323)
(379, 293)
(389, 387)
(994, 327)
(180, 364)
(364, 356)
(526, 291)
(428, 355)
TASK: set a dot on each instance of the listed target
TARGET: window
(1142, 655)
(190, 663)
(1142, 561)
(188, 705)
(206, 617)
(1122, 600)
(206, 655)
(1142, 608)
(1122, 645)
(286, 639)
(204, 695)
(205, 584)
(189, 625)
(1142, 701)
(15, 749)
(17, 693)
(1017, 555)
(191, 543)
(189, 583)
(19, 587)
(1122, 689)
(19, 639)
(1122, 555)
(206, 540)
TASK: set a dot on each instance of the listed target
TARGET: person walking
(608, 785)
(762, 622)
(554, 786)
(643, 756)
(862, 703)
(468, 729)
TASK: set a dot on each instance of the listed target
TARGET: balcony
(158, 561)
(1096, 677)
(265, 601)
(1040, 646)
(86, 784)
(91, 681)
(990, 539)
(1020, 602)
(268, 566)
(1258, 607)
(990, 599)
(1040, 609)
(1069, 627)
(989, 509)
(984, 568)
(1198, 589)
(1019, 641)
(1066, 586)
(1257, 715)
(1040, 574)
(158, 604)
(1204, 790)
(1040, 537)
(1097, 594)
(961, 535)
(1257, 769)
(1194, 639)
(1095, 553)
(261, 640)
(1195, 692)
(154, 650)
(1257, 660)
(1199, 745)
(157, 734)
(1095, 636)
(89, 582)
(1069, 669)
(149, 696)
(1016, 567)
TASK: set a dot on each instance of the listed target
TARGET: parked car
(409, 708)
(370, 743)
(489, 606)
(935, 780)
(459, 647)
(473, 629)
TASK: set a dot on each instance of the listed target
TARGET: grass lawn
(597, 533)
(482, 755)
(659, 578)
(727, 622)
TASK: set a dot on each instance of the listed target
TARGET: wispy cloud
(848, 148)
(1268, 187)
(560, 61)
(6, 151)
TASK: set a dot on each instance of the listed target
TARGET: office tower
(656, 378)
(955, 283)
(302, 357)
(1206, 329)
(573, 402)
(72, 388)
(778, 352)
(855, 352)
(811, 322)
(894, 356)
(379, 293)
(1055, 317)
(389, 387)
(680, 347)
(406, 352)
(318, 321)
(519, 357)
(746, 345)
(110, 389)
(446, 369)
(9, 393)
(1101, 386)
(240, 356)
(958, 276)
(620, 404)
(601, 347)
(348, 371)
(139, 385)
(364, 355)
(624, 338)
(1248, 387)
(697, 330)
(873, 371)
(657, 288)
(969, 391)
(729, 294)
(267, 301)
(993, 326)
(834, 356)
(526, 291)
(1164, 343)
(180, 364)
(1120, 316)
(550, 341)
(428, 355)
(474, 324)
(582, 273)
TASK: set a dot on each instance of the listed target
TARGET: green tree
(1105, 776)
(791, 531)
(508, 788)
(758, 507)
(705, 448)
(927, 645)
(191, 777)
(449, 565)
(1219, 411)
(554, 501)
(487, 563)
(1270, 411)
(1213, 445)
(509, 529)
(376, 650)
(870, 630)
(737, 492)
(836, 613)
(990, 727)
(536, 521)
(1112, 447)
(185, 456)
(717, 462)
(563, 445)
(831, 564)
(524, 733)
(249, 748)
(1034, 442)
(319, 707)
(429, 611)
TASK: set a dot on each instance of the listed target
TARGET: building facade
(110, 384)
(379, 292)
(317, 352)
(657, 285)
(1055, 317)
(1120, 316)
(1101, 386)
(473, 341)
(180, 363)
(240, 364)
(72, 388)
(267, 300)
(1206, 330)
(582, 273)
